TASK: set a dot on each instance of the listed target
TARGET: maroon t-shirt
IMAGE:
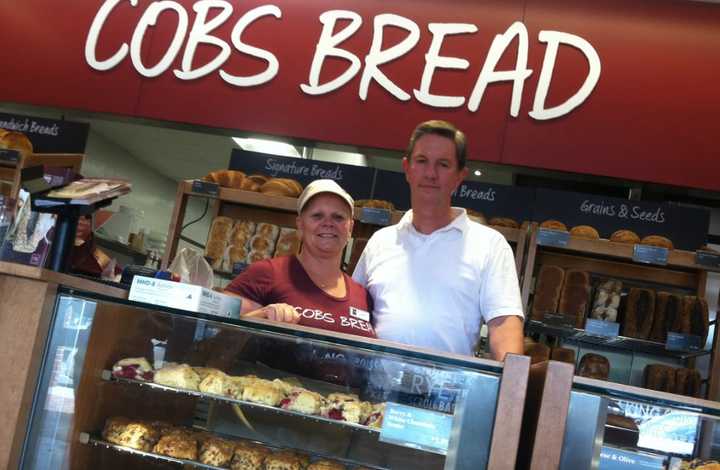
(284, 280)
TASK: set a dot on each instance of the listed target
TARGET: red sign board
(609, 87)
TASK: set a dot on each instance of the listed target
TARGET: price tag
(681, 342)
(707, 258)
(239, 267)
(559, 320)
(602, 328)
(416, 428)
(205, 187)
(650, 254)
(372, 215)
(616, 459)
(557, 238)
(9, 156)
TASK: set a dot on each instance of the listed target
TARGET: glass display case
(198, 391)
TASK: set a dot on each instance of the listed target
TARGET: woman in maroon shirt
(310, 289)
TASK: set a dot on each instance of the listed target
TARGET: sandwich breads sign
(199, 27)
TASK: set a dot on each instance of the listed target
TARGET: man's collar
(460, 221)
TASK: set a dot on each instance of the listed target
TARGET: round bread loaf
(594, 366)
(12, 140)
(250, 185)
(504, 222)
(625, 236)
(657, 240)
(554, 225)
(584, 231)
(281, 187)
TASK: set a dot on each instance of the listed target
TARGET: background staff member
(436, 274)
(310, 289)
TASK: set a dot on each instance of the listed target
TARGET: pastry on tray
(178, 443)
(216, 451)
(625, 236)
(554, 225)
(177, 375)
(584, 231)
(135, 434)
(264, 392)
(303, 401)
(249, 456)
(326, 465)
(137, 368)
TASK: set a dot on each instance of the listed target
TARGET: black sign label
(547, 237)
(392, 186)
(681, 342)
(9, 156)
(48, 135)
(708, 259)
(559, 320)
(650, 254)
(356, 180)
(205, 187)
(495, 200)
(687, 227)
(371, 215)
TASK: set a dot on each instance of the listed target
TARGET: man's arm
(506, 336)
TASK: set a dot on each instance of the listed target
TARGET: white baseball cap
(323, 186)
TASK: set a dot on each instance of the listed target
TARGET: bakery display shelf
(107, 375)
(617, 342)
(86, 438)
(250, 198)
(681, 259)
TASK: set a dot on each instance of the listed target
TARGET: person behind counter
(310, 289)
(436, 274)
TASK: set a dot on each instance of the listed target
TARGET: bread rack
(107, 375)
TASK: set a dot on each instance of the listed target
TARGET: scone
(178, 443)
(248, 456)
(263, 392)
(584, 231)
(286, 460)
(657, 240)
(217, 383)
(346, 407)
(504, 222)
(130, 433)
(217, 452)
(625, 236)
(554, 225)
(177, 375)
(137, 368)
(326, 465)
(203, 372)
(303, 401)
(377, 413)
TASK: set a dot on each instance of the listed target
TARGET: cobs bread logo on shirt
(357, 319)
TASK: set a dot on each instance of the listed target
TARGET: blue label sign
(547, 237)
(650, 254)
(375, 216)
(707, 259)
(419, 429)
(205, 187)
(681, 342)
(602, 328)
(616, 459)
(239, 267)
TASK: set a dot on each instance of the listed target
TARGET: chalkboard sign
(686, 227)
(494, 200)
(392, 186)
(48, 135)
(356, 180)
(205, 187)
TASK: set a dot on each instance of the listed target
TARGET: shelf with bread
(589, 295)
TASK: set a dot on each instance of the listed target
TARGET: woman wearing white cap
(310, 289)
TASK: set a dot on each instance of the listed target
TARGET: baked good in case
(657, 240)
(639, 313)
(227, 178)
(668, 316)
(659, 377)
(178, 376)
(538, 352)
(607, 300)
(346, 407)
(554, 225)
(281, 187)
(687, 382)
(203, 372)
(286, 460)
(135, 434)
(694, 319)
(584, 231)
(219, 383)
(248, 456)
(575, 296)
(547, 291)
(375, 204)
(594, 366)
(217, 452)
(13, 140)
(504, 222)
(137, 368)
(303, 401)
(377, 413)
(178, 443)
(563, 355)
(264, 392)
(326, 465)
(625, 236)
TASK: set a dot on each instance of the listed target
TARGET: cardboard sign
(416, 428)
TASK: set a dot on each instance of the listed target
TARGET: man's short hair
(443, 129)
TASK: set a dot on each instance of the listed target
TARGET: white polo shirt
(432, 290)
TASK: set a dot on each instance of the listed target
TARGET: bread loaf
(694, 319)
(547, 291)
(563, 355)
(657, 240)
(227, 178)
(288, 243)
(575, 296)
(375, 204)
(625, 236)
(218, 239)
(659, 377)
(668, 316)
(130, 433)
(281, 187)
(504, 222)
(639, 313)
(594, 366)
(607, 300)
(554, 225)
(584, 231)
(250, 185)
(688, 382)
(476, 216)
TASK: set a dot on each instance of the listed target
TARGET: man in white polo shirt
(436, 274)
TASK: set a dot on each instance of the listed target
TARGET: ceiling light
(477, 173)
(267, 146)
